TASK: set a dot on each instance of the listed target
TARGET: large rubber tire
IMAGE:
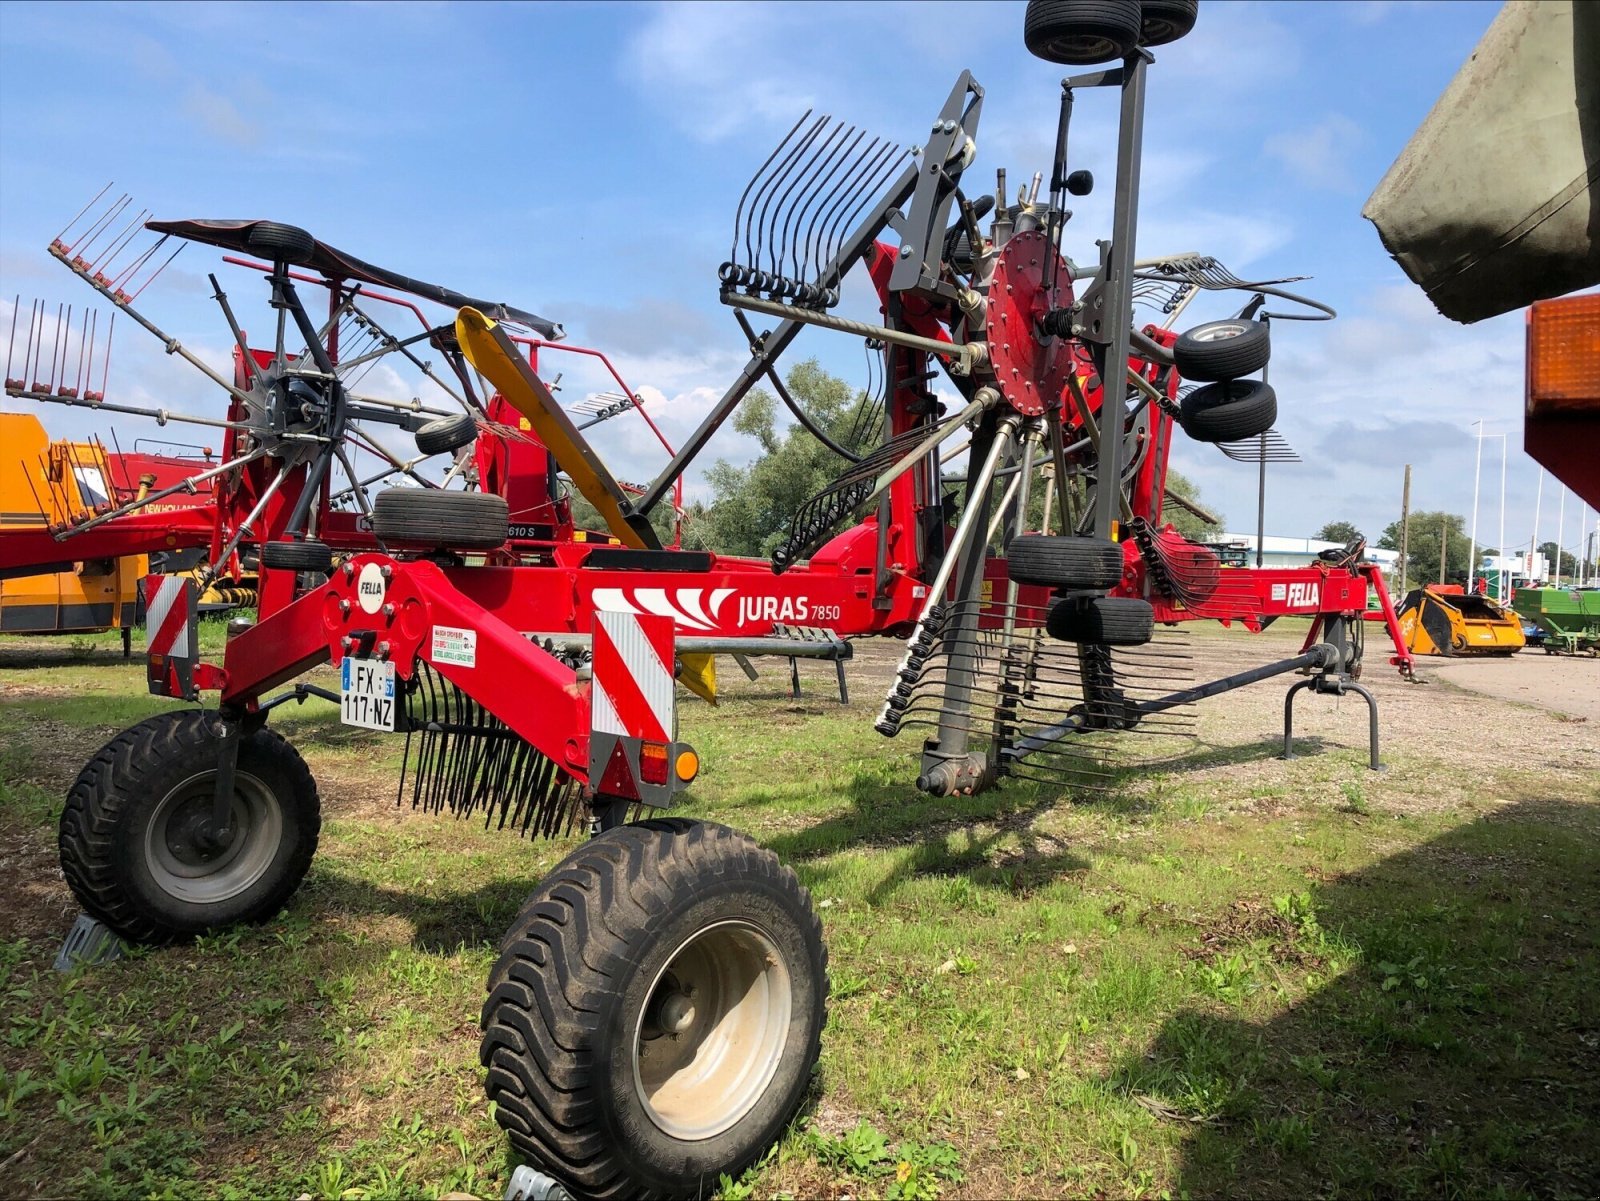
(1102, 621)
(310, 555)
(435, 518)
(1163, 21)
(446, 434)
(1221, 350)
(1081, 32)
(127, 833)
(583, 983)
(281, 243)
(1230, 411)
(1057, 561)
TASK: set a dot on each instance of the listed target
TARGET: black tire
(1163, 21)
(281, 243)
(1102, 621)
(446, 434)
(298, 556)
(1222, 350)
(127, 833)
(1230, 411)
(1081, 32)
(435, 518)
(583, 976)
(1061, 562)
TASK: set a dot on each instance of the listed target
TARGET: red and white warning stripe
(167, 615)
(632, 694)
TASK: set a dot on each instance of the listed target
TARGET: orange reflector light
(653, 762)
(688, 765)
(1564, 354)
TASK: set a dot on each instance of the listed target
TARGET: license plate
(366, 694)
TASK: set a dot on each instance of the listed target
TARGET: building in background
(1292, 552)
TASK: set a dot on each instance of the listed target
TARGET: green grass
(1286, 982)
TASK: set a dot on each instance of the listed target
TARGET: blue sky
(584, 162)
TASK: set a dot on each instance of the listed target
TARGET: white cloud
(1318, 156)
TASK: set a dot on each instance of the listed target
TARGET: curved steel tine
(819, 190)
(875, 181)
(845, 195)
(805, 179)
(758, 202)
(834, 183)
(738, 214)
(781, 180)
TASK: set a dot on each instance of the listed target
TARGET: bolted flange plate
(1030, 368)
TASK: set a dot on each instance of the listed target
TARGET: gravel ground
(1568, 684)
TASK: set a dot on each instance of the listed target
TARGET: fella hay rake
(656, 1011)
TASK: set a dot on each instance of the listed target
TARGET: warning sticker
(454, 645)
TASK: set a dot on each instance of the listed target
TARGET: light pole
(1472, 546)
(1561, 533)
(1500, 591)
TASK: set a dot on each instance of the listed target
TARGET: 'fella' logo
(1303, 596)
(370, 588)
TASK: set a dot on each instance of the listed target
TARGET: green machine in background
(1570, 617)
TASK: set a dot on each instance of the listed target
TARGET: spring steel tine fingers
(821, 238)
(772, 188)
(738, 215)
(885, 174)
(57, 239)
(11, 345)
(809, 181)
(81, 247)
(785, 155)
(828, 187)
(855, 178)
(799, 175)
(36, 340)
(123, 239)
(877, 165)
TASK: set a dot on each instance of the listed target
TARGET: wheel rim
(1220, 333)
(708, 1041)
(179, 862)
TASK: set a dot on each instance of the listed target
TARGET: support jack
(1332, 684)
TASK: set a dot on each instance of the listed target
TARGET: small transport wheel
(656, 1011)
(435, 518)
(1081, 32)
(131, 836)
(1164, 21)
(446, 434)
(1229, 411)
(309, 555)
(281, 243)
(1102, 621)
(1220, 350)
(1058, 561)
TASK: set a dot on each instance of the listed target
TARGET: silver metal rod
(967, 355)
(214, 568)
(985, 398)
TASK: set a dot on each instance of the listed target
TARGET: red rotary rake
(655, 1014)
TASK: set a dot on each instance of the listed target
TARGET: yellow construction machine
(44, 483)
(1445, 619)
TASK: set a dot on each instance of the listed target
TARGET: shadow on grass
(35, 658)
(1453, 1051)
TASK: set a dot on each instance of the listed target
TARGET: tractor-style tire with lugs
(1058, 561)
(1081, 32)
(1102, 621)
(129, 835)
(1230, 411)
(435, 518)
(656, 1011)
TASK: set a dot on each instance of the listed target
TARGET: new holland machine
(655, 1013)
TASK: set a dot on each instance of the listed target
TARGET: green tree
(1422, 549)
(1186, 523)
(1338, 531)
(753, 505)
(1567, 568)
